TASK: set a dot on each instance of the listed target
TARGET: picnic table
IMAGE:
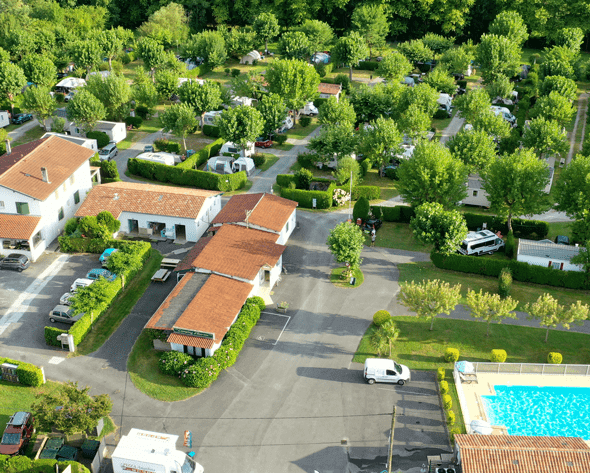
(161, 275)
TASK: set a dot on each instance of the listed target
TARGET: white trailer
(309, 109)
(4, 118)
(151, 452)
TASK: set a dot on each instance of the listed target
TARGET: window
(556, 265)
(1, 204)
(22, 208)
(72, 179)
(475, 193)
(287, 227)
(37, 238)
(60, 214)
(77, 197)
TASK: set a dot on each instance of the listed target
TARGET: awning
(189, 341)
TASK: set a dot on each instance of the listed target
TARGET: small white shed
(116, 131)
(251, 57)
(547, 254)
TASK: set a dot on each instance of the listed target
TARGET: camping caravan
(161, 158)
(320, 58)
(244, 164)
(210, 117)
(238, 101)
(505, 113)
(481, 242)
(4, 118)
(445, 103)
(233, 149)
(220, 165)
(309, 109)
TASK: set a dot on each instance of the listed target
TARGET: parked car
(65, 314)
(21, 118)
(80, 282)
(108, 152)
(458, 75)
(19, 430)
(148, 149)
(98, 273)
(263, 144)
(368, 225)
(562, 240)
(104, 258)
(15, 261)
(66, 299)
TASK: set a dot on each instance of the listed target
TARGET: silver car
(66, 299)
(65, 314)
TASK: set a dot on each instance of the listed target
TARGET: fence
(532, 368)
(96, 464)
(462, 400)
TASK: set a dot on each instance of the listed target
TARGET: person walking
(373, 236)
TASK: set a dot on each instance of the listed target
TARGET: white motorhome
(505, 113)
(239, 101)
(4, 118)
(378, 370)
(309, 109)
(445, 102)
(232, 148)
(481, 242)
(210, 117)
(162, 158)
(153, 452)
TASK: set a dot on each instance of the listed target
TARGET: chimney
(45, 175)
(8, 148)
(116, 197)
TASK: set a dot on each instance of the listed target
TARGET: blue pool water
(532, 410)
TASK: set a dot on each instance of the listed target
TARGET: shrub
(367, 66)
(59, 97)
(259, 301)
(109, 172)
(227, 71)
(71, 226)
(28, 374)
(305, 121)
(142, 111)
(498, 356)
(505, 283)
(462, 84)
(134, 122)
(106, 218)
(259, 159)
(451, 355)
(391, 174)
(171, 362)
(344, 81)
(444, 386)
(361, 209)
(307, 160)
(441, 114)
(365, 166)
(380, 317)
(447, 402)
(305, 198)
(441, 374)
(510, 245)
(235, 72)
(167, 146)
(211, 130)
(126, 59)
(319, 102)
(554, 358)
(102, 139)
(450, 418)
(281, 139)
(284, 180)
(303, 179)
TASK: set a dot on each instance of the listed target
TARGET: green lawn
(522, 292)
(298, 132)
(142, 365)
(271, 159)
(388, 186)
(398, 235)
(336, 278)
(33, 134)
(283, 147)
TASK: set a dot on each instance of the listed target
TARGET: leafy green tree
(333, 112)
(349, 50)
(202, 98)
(473, 104)
(370, 21)
(380, 141)
(168, 25)
(437, 43)
(384, 336)
(111, 45)
(166, 83)
(346, 243)
(492, 124)
(571, 38)
(87, 54)
(295, 45)
(515, 184)
(152, 53)
(250, 84)
(422, 95)
(559, 61)
(475, 148)
(240, 125)
(180, 120)
(414, 122)
(441, 81)
(208, 45)
(319, 34)
(71, 409)
(394, 67)
(333, 140)
(498, 55)
(347, 167)
(89, 300)
(510, 25)
(490, 307)
(113, 92)
(266, 27)
(380, 100)
(573, 188)
(238, 41)
(500, 87)
(361, 209)
(562, 85)
(39, 69)
(554, 107)
(273, 111)
(85, 110)
(545, 136)
(145, 94)
(583, 257)
(456, 59)
(121, 262)
(429, 298)
(12, 80)
(38, 101)
(444, 229)
(294, 81)
(551, 313)
(432, 175)
(416, 51)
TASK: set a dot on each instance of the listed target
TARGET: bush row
(22, 464)
(305, 198)
(102, 139)
(585, 151)
(28, 374)
(167, 146)
(187, 177)
(367, 66)
(211, 130)
(520, 271)
(201, 156)
(400, 213)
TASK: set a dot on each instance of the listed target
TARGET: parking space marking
(22, 302)
(284, 327)
(56, 360)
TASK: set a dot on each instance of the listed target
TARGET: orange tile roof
(21, 169)
(268, 211)
(239, 251)
(190, 341)
(215, 306)
(118, 197)
(18, 227)
(187, 261)
(521, 454)
(331, 89)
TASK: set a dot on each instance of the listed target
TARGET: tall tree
(168, 25)
(551, 313)
(180, 120)
(429, 298)
(475, 148)
(202, 98)
(500, 87)
(370, 20)
(559, 61)
(545, 136)
(394, 67)
(166, 83)
(266, 27)
(333, 112)
(554, 107)
(273, 111)
(441, 81)
(571, 38)
(319, 34)
(152, 53)
(380, 141)
(565, 87)
(12, 80)
(432, 175)
(423, 96)
(240, 125)
(39, 69)
(573, 193)
(472, 104)
(416, 51)
(380, 100)
(113, 92)
(348, 169)
(334, 141)
(414, 122)
(444, 229)
(490, 307)
(345, 242)
(124, 261)
(457, 59)
(437, 43)
(493, 124)
(39, 101)
(498, 55)
(349, 50)
(85, 110)
(111, 45)
(145, 94)
(295, 45)
(238, 41)
(87, 54)
(250, 84)
(384, 336)
(515, 184)
(510, 25)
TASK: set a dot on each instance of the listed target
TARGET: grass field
(33, 134)
(336, 278)
(398, 235)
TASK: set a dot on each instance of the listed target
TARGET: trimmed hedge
(211, 130)
(22, 464)
(201, 156)
(305, 198)
(498, 356)
(444, 386)
(284, 180)
(134, 122)
(400, 213)
(172, 362)
(102, 139)
(28, 374)
(440, 374)
(520, 271)
(367, 66)
(167, 146)
(369, 192)
(380, 317)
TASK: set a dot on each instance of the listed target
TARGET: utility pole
(350, 200)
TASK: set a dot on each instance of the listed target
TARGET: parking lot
(26, 298)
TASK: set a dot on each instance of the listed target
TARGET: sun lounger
(468, 378)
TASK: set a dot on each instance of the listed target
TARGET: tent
(251, 57)
(320, 58)
(220, 165)
(69, 83)
(244, 164)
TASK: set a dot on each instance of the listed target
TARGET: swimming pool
(533, 410)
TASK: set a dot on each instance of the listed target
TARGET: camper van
(378, 370)
(505, 113)
(445, 103)
(481, 242)
(210, 117)
(309, 109)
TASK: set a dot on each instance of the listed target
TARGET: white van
(80, 282)
(481, 242)
(378, 370)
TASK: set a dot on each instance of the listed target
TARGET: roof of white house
(71, 83)
(474, 183)
(73, 139)
(102, 125)
(551, 250)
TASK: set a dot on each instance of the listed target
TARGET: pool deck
(487, 381)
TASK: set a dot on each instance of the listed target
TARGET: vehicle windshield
(103, 151)
(11, 439)
(464, 246)
(397, 367)
(188, 466)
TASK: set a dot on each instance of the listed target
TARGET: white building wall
(540, 261)
(288, 228)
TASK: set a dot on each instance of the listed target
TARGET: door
(267, 275)
(180, 232)
(391, 376)
(133, 225)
